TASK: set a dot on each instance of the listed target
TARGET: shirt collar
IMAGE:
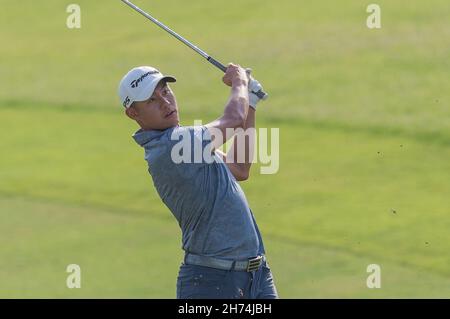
(143, 137)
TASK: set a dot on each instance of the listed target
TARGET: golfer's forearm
(243, 145)
(249, 139)
(237, 106)
(250, 119)
(233, 116)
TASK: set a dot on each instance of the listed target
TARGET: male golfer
(224, 252)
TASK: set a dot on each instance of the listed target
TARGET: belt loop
(233, 265)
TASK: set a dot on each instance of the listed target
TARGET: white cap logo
(135, 83)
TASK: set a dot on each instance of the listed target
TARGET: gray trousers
(198, 282)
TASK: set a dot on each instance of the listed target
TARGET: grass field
(364, 119)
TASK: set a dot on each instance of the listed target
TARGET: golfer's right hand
(235, 75)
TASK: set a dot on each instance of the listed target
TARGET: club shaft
(164, 27)
(210, 59)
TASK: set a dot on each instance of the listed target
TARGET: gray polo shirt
(205, 198)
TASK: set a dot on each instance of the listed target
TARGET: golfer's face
(160, 111)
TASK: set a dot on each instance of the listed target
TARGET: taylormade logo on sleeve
(136, 82)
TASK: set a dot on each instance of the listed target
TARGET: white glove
(253, 86)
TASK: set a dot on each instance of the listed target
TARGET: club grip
(261, 94)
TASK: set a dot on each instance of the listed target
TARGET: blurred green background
(364, 123)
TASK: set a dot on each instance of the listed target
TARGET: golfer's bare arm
(241, 169)
(237, 114)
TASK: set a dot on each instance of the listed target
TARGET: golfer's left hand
(253, 86)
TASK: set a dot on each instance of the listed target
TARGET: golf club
(261, 94)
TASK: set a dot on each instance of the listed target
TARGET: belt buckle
(254, 263)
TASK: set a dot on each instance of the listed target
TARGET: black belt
(248, 265)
